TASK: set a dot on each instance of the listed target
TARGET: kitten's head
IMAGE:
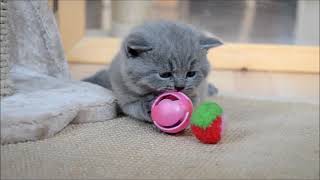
(163, 56)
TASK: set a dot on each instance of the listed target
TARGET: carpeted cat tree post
(6, 85)
(44, 98)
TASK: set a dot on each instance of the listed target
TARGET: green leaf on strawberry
(205, 114)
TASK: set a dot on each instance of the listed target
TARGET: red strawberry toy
(207, 123)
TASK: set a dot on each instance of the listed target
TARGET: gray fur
(153, 49)
(101, 78)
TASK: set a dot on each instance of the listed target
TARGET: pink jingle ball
(171, 112)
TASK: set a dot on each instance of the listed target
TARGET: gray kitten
(156, 57)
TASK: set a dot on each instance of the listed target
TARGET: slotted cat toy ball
(207, 123)
(171, 112)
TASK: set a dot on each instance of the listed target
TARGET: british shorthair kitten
(157, 57)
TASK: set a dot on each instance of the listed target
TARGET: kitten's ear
(135, 45)
(208, 42)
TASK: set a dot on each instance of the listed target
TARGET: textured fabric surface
(6, 87)
(262, 139)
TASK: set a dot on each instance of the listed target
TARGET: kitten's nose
(179, 88)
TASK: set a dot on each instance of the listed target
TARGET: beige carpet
(263, 140)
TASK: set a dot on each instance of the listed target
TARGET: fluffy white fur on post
(5, 83)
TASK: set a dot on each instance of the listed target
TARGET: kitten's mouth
(159, 92)
(171, 97)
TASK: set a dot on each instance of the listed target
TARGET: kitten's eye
(191, 74)
(165, 75)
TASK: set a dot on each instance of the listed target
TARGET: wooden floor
(295, 87)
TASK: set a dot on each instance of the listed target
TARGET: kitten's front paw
(147, 104)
